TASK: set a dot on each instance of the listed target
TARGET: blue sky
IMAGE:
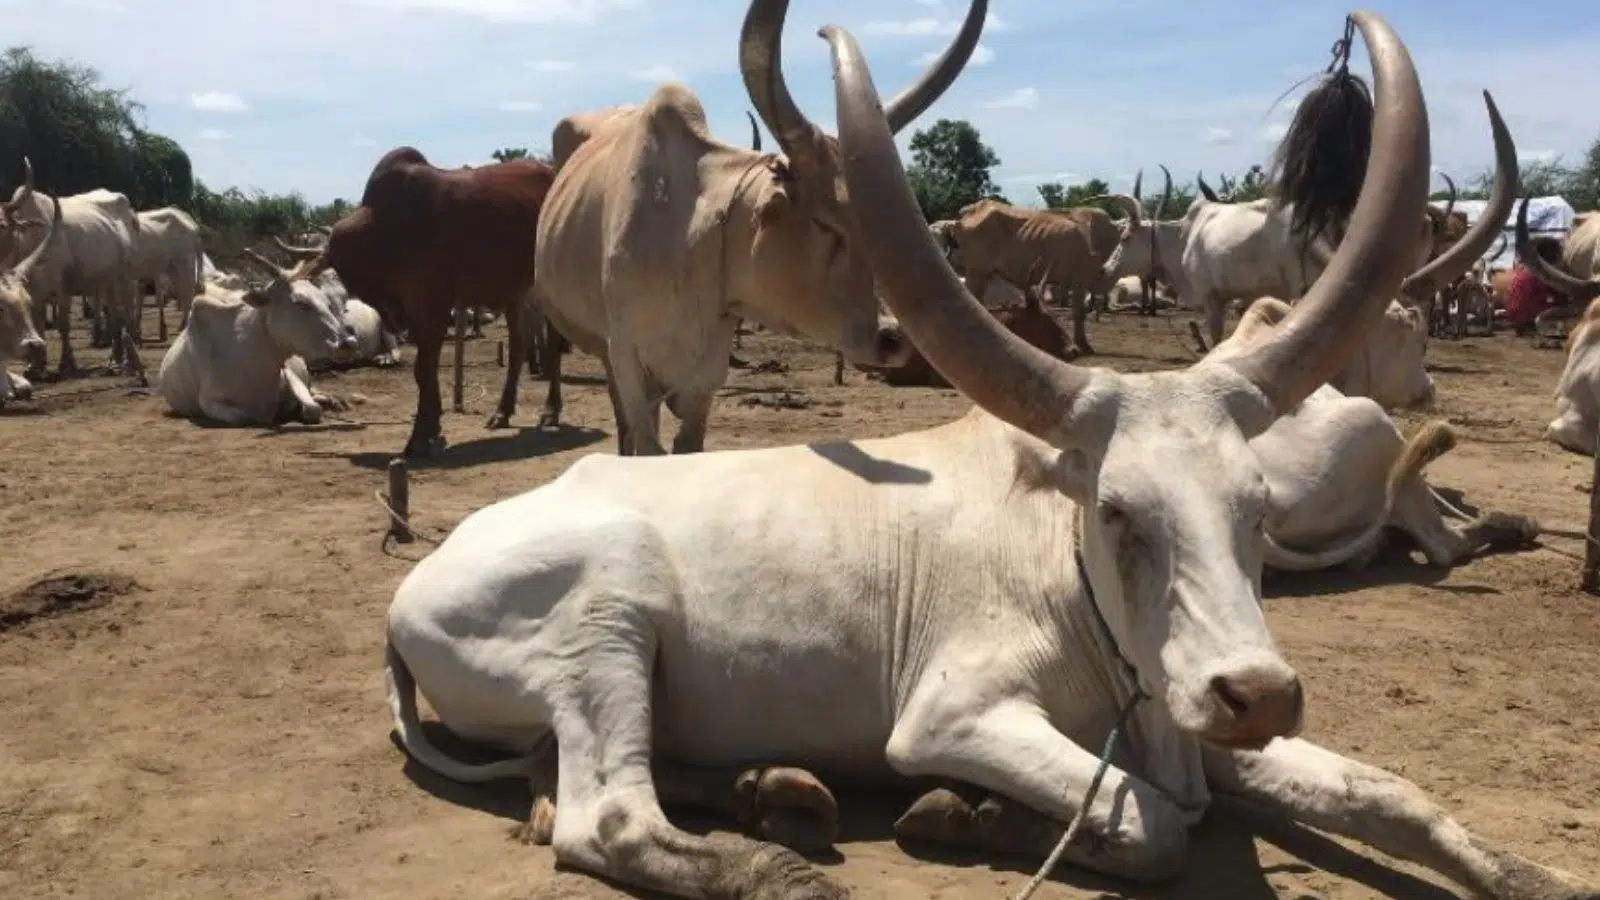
(307, 94)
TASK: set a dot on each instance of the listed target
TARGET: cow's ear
(774, 203)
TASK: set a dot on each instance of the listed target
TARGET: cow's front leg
(1131, 830)
(1078, 300)
(1216, 314)
(426, 434)
(638, 404)
(1320, 788)
(299, 404)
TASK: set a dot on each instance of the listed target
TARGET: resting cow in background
(426, 240)
(1578, 392)
(240, 360)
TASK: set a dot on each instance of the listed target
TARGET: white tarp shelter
(1547, 217)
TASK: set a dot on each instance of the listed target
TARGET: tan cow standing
(657, 239)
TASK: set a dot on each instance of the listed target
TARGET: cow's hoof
(777, 873)
(788, 806)
(940, 816)
(1512, 528)
(498, 421)
(549, 419)
(540, 828)
(310, 414)
(329, 401)
(423, 448)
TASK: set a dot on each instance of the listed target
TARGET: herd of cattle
(974, 602)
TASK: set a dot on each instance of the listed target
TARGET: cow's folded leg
(610, 820)
(1324, 790)
(970, 818)
(1131, 829)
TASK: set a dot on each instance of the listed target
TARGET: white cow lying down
(1578, 392)
(240, 358)
(1339, 471)
(973, 602)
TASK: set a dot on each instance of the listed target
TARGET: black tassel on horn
(1322, 160)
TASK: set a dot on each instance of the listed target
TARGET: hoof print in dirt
(61, 595)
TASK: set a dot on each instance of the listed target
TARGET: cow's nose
(34, 351)
(1261, 701)
(348, 342)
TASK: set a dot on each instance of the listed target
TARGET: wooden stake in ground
(1590, 580)
(399, 502)
(461, 361)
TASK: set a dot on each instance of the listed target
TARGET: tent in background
(1547, 217)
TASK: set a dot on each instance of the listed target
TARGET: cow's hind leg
(637, 399)
(691, 401)
(1319, 788)
(610, 820)
(785, 805)
(1448, 536)
(1078, 300)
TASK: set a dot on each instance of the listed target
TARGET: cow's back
(424, 232)
(1244, 250)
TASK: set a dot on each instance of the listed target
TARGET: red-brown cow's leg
(514, 357)
(425, 431)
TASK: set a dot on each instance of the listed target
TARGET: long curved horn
(1450, 205)
(1138, 184)
(1325, 329)
(1205, 189)
(915, 100)
(1451, 264)
(755, 131)
(1577, 288)
(761, 65)
(297, 252)
(11, 206)
(1166, 194)
(1131, 204)
(267, 265)
(22, 269)
(999, 371)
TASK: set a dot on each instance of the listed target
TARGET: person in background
(1528, 299)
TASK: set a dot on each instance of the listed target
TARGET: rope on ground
(400, 522)
(1088, 801)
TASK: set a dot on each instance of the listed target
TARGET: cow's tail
(1431, 441)
(403, 706)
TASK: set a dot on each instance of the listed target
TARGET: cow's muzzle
(34, 352)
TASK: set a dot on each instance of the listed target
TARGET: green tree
(507, 154)
(950, 167)
(1253, 186)
(1057, 197)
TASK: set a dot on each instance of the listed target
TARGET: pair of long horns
(761, 64)
(1579, 289)
(1035, 392)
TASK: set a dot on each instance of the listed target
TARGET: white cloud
(1041, 177)
(925, 26)
(520, 106)
(1274, 132)
(552, 65)
(659, 73)
(213, 134)
(981, 56)
(1216, 135)
(363, 141)
(1537, 156)
(525, 12)
(1021, 98)
(218, 101)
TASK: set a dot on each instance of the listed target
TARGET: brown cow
(425, 240)
(1028, 321)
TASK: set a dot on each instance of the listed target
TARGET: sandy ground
(207, 719)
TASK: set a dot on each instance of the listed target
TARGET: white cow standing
(241, 358)
(90, 255)
(974, 602)
(167, 251)
(19, 338)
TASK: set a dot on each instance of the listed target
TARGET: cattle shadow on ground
(21, 408)
(530, 442)
(1385, 571)
(1451, 369)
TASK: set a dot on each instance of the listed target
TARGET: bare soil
(222, 731)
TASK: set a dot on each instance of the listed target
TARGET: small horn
(22, 269)
(1166, 194)
(11, 206)
(267, 265)
(1138, 185)
(1205, 189)
(297, 252)
(755, 131)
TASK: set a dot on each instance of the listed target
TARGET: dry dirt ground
(197, 709)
